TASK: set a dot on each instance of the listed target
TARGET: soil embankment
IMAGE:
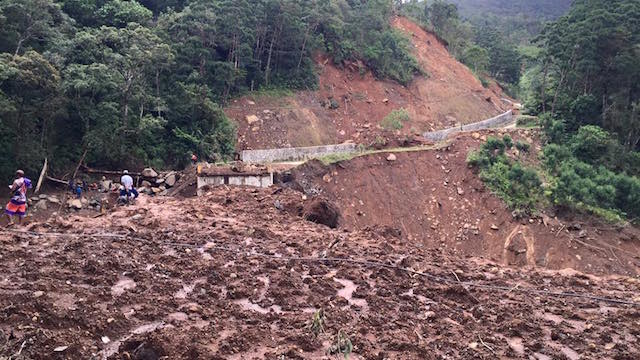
(435, 200)
(447, 96)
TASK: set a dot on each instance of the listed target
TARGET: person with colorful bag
(17, 206)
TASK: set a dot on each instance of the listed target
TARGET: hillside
(448, 95)
(536, 9)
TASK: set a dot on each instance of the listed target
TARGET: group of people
(17, 205)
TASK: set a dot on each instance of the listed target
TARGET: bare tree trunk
(42, 174)
(543, 90)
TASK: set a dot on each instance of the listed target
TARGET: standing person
(127, 181)
(18, 203)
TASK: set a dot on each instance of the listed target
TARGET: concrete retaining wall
(262, 181)
(498, 121)
(294, 154)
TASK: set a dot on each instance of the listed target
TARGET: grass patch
(395, 120)
(527, 121)
(273, 93)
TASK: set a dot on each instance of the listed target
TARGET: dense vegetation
(141, 82)
(519, 20)
(584, 84)
(484, 47)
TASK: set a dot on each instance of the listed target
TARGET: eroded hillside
(350, 103)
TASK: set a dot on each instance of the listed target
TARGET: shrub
(395, 120)
(523, 146)
(519, 186)
(508, 141)
(527, 121)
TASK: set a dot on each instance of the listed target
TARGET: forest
(127, 83)
(130, 83)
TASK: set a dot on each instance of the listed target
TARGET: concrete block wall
(294, 154)
(498, 121)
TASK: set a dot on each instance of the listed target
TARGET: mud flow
(231, 276)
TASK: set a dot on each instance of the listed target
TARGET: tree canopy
(142, 82)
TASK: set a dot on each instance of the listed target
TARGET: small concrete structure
(232, 175)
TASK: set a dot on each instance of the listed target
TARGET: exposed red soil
(437, 201)
(212, 278)
(448, 96)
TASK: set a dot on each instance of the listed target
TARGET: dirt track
(212, 278)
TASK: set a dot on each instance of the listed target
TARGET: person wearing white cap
(127, 182)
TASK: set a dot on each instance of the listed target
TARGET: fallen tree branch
(62, 182)
(89, 170)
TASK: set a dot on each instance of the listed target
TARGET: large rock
(149, 173)
(171, 179)
(53, 199)
(75, 204)
(105, 185)
(146, 184)
(252, 119)
(40, 205)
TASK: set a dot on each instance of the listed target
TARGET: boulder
(40, 205)
(155, 190)
(53, 199)
(149, 173)
(252, 119)
(75, 204)
(171, 179)
(105, 185)
(392, 157)
(159, 181)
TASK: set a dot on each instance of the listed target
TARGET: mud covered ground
(433, 198)
(236, 275)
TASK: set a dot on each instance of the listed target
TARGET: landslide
(435, 200)
(231, 275)
(448, 95)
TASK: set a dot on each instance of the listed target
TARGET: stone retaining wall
(498, 121)
(294, 154)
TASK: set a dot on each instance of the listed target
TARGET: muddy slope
(227, 278)
(434, 199)
(450, 94)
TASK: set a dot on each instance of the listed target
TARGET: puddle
(147, 328)
(570, 353)
(203, 251)
(419, 297)
(516, 345)
(539, 356)
(188, 289)
(347, 293)
(265, 280)
(177, 317)
(65, 301)
(122, 285)
(556, 319)
(249, 306)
